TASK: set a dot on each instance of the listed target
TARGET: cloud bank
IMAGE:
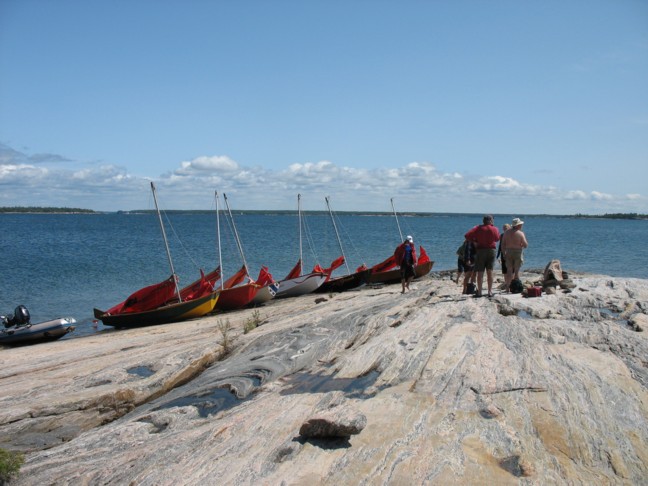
(50, 180)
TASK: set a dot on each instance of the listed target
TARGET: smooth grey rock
(457, 393)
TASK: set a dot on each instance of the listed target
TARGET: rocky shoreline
(363, 387)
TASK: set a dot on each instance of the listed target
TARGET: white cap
(409, 238)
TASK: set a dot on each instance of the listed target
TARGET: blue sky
(447, 106)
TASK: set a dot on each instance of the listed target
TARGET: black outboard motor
(20, 318)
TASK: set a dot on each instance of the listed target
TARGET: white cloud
(104, 174)
(600, 196)
(581, 195)
(215, 163)
(419, 186)
(508, 186)
(16, 173)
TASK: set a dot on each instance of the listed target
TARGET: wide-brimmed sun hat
(517, 222)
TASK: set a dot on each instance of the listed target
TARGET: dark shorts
(485, 259)
(407, 271)
(462, 267)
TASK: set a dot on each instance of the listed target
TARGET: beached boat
(236, 297)
(394, 276)
(267, 287)
(265, 293)
(18, 330)
(37, 333)
(345, 282)
(176, 312)
(235, 293)
(385, 271)
(163, 302)
(301, 285)
(295, 283)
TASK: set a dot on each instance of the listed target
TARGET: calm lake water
(61, 265)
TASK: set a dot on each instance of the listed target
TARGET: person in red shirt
(405, 255)
(485, 237)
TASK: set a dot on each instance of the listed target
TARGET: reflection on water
(143, 371)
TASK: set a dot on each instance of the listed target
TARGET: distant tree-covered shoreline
(615, 216)
(40, 210)
(65, 210)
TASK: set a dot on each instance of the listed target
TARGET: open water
(64, 265)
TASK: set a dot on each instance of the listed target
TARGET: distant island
(40, 210)
(615, 216)
(65, 210)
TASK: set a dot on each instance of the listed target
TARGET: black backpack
(516, 286)
(471, 288)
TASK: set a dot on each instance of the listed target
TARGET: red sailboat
(386, 271)
(235, 293)
(163, 302)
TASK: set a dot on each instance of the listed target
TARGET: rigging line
(346, 264)
(309, 238)
(214, 208)
(236, 235)
(178, 239)
(396, 216)
(229, 236)
(299, 218)
(168, 221)
(350, 239)
(410, 230)
(408, 227)
(182, 245)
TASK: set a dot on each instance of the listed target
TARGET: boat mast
(337, 234)
(166, 244)
(301, 262)
(238, 241)
(220, 256)
(397, 223)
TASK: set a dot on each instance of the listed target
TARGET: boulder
(553, 271)
(340, 422)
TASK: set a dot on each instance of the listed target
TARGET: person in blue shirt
(405, 255)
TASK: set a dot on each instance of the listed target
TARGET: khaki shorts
(514, 260)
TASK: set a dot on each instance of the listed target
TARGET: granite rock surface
(443, 388)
